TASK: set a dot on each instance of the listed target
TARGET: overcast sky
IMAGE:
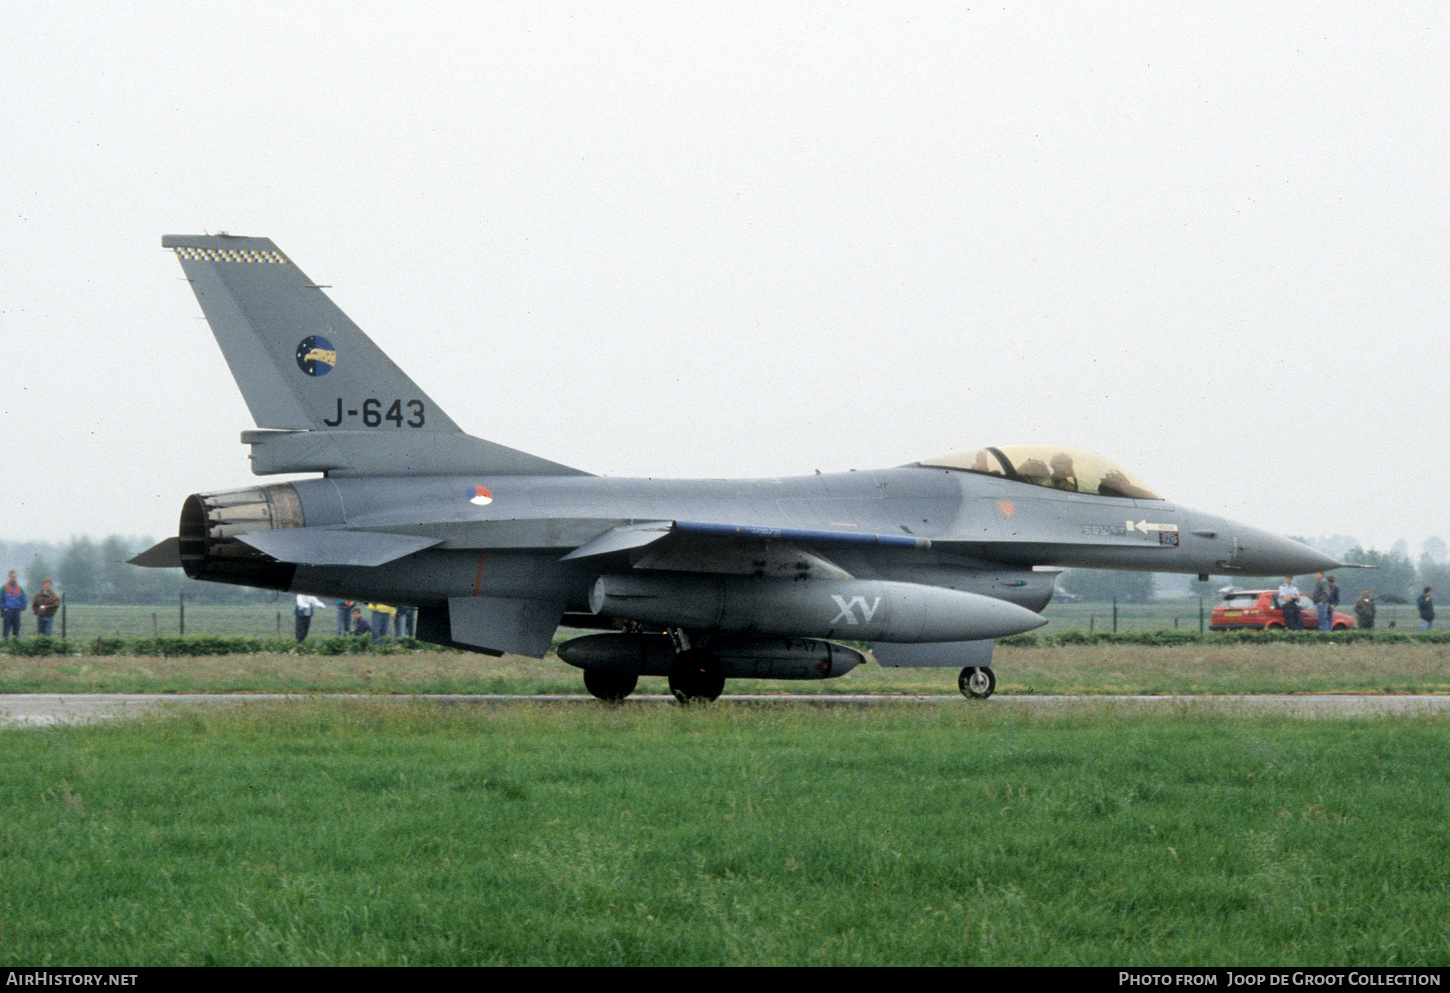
(1207, 240)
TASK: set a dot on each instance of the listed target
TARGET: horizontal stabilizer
(165, 555)
(317, 546)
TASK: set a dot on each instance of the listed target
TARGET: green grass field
(314, 832)
(362, 834)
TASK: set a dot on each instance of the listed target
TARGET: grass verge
(361, 834)
(1219, 667)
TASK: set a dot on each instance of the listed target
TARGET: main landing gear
(696, 674)
(977, 682)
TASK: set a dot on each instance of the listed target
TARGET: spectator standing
(12, 602)
(1423, 601)
(1289, 604)
(382, 618)
(45, 604)
(344, 617)
(1364, 611)
(1321, 600)
(306, 604)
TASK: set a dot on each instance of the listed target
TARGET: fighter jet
(694, 580)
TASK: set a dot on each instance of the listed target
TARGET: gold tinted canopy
(1052, 466)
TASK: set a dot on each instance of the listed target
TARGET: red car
(1256, 611)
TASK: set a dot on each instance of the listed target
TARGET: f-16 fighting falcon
(694, 580)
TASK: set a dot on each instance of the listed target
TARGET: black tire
(977, 682)
(611, 687)
(696, 675)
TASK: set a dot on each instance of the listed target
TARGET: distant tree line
(1395, 574)
(89, 571)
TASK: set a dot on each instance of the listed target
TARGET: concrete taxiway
(33, 709)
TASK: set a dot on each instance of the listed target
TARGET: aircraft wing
(633, 536)
(624, 538)
(736, 549)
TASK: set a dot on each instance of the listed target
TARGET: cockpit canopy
(1052, 466)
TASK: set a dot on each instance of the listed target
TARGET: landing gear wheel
(611, 687)
(696, 675)
(977, 682)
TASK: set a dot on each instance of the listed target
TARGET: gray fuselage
(980, 534)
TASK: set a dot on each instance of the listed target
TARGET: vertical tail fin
(325, 396)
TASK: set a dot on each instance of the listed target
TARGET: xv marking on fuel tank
(848, 609)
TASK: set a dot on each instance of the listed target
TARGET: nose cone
(1259, 553)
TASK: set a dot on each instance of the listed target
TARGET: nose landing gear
(977, 682)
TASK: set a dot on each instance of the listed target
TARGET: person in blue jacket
(12, 602)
